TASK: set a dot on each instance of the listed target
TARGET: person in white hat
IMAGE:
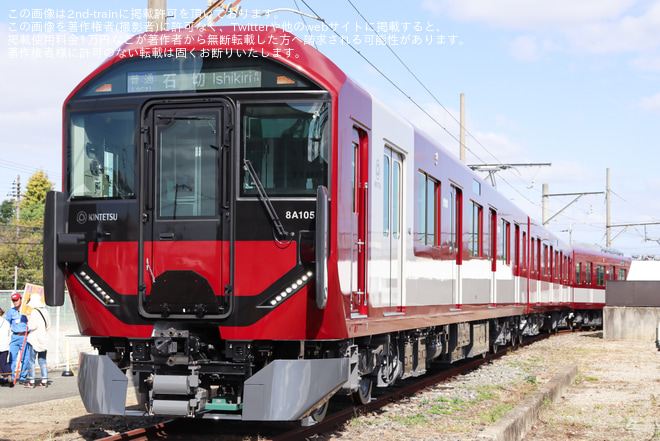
(38, 324)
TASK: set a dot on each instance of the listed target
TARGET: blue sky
(573, 82)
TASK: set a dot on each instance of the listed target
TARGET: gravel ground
(616, 396)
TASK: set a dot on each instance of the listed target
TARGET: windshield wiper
(247, 165)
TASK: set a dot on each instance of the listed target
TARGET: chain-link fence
(15, 278)
(65, 341)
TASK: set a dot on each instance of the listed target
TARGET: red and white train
(250, 232)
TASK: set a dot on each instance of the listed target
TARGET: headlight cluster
(289, 290)
(95, 288)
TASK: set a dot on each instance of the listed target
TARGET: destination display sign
(158, 81)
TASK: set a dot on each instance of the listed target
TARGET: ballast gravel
(616, 396)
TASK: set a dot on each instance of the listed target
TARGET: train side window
(524, 250)
(587, 273)
(516, 247)
(386, 195)
(600, 275)
(558, 265)
(391, 193)
(492, 239)
(505, 251)
(476, 230)
(427, 209)
(578, 273)
(553, 263)
(396, 198)
(456, 223)
(622, 274)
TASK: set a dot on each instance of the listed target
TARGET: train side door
(360, 179)
(184, 247)
(456, 244)
(392, 216)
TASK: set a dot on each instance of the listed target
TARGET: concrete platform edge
(515, 424)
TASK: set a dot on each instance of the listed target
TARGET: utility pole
(544, 203)
(157, 19)
(16, 193)
(462, 153)
(607, 203)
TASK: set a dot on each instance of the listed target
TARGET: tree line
(21, 239)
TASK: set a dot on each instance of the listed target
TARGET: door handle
(166, 236)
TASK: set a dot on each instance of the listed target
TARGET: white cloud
(532, 15)
(651, 103)
(524, 48)
(492, 145)
(571, 173)
(625, 34)
(647, 63)
(606, 26)
(503, 122)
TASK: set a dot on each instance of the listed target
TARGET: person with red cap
(18, 344)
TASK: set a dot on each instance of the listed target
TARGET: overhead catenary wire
(421, 83)
(430, 93)
(380, 72)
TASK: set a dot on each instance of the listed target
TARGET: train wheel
(319, 414)
(363, 394)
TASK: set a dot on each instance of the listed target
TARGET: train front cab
(193, 233)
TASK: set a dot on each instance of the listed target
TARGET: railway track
(341, 411)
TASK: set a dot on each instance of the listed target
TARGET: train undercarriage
(187, 370)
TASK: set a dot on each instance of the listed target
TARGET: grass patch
(488, 392)
(448, 406)
(495, 413)
(414, 420)
(531, 380)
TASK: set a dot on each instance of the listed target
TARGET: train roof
(231, 41)
(604, 254)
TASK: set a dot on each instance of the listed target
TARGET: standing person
(18, 344)
(5, 338)
(38, 324)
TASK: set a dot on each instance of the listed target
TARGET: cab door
(185, 247)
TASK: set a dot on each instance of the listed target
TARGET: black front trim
(247, 309)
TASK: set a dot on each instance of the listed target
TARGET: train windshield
(101, 155)
(288, 146)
